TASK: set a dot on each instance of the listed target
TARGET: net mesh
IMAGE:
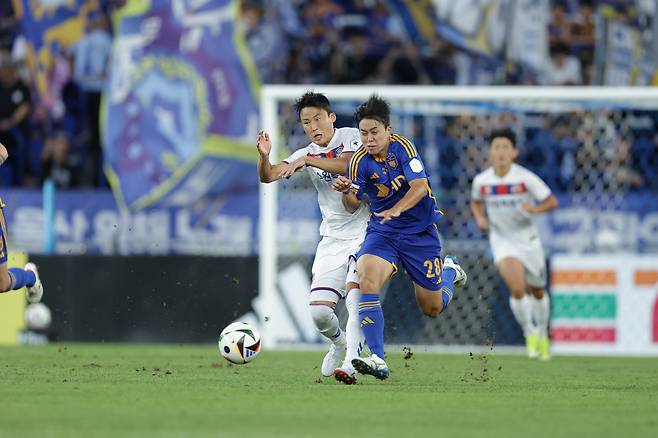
(591, 154)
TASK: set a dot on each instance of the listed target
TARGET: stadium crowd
(313, 42)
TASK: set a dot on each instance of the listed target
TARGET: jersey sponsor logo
(503, 189)
(416, 165)
(326, 176)
(392, 161)
(374, 175)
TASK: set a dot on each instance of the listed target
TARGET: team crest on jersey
(374, 175)
(392, 161)
(339, 150)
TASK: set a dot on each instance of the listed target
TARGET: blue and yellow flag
(48, 26)
(181, 109)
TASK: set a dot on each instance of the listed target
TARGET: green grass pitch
(184, 391)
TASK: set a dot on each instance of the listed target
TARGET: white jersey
(336, 221)
(509, 223)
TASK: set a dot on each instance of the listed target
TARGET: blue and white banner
(623, 57)
(90, 222)
(181, 110)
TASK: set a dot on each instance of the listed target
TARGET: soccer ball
(37, 316)
(239, 343)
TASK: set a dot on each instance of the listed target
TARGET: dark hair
(503, 133)
(315, 100)
(559, 48)
(374, 108)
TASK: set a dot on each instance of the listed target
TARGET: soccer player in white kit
(342, 231)
(512, 196)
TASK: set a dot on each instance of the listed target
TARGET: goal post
(449, 126)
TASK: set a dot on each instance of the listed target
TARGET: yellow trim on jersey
(356, 158)
(431, 195)
(406, 144)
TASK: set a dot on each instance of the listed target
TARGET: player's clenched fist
(341, 184)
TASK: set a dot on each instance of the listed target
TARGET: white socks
(326, 321)
(355, 338)
(541, 309)
(522, 313)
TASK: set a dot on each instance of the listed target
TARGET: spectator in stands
(15, 104)
(620, 170)
(318, 44)
(8, 24)
(91, 56)
(438, 61)
(561, 68)
(354, 63)
(266, 42)
(584, 26)
(57, 162)
(560, 27)
(402, 66)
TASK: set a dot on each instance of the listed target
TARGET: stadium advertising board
(605, 304)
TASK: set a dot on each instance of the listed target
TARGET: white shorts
(333, 268)
(531, 255)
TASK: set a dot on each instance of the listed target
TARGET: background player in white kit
(509, 192)
(342, 231)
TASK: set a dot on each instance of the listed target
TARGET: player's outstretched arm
(3, 154)
(332, 165)
(267, 172)
(547, 204)
(417, 191)
(478, 210)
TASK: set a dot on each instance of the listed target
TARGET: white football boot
(334, 356)
(345, 373)
(35, 292)
(373, 365)
(460, 274)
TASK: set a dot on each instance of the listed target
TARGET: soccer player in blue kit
(16, 278)
(401, 232)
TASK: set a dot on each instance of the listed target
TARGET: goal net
(593, 146)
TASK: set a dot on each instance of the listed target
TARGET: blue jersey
(387, 181)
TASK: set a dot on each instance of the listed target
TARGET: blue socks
(447, 288)
(372, 322)
(19, 278)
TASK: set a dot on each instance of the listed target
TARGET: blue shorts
(419, 254)
(3, 235)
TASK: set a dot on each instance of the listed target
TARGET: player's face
(318, 124)
(375, 136)
(502, 153)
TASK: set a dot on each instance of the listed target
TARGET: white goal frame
(272, 94)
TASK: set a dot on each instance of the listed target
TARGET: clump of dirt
(478, 371)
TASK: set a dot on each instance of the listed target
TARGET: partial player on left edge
(16, 278)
